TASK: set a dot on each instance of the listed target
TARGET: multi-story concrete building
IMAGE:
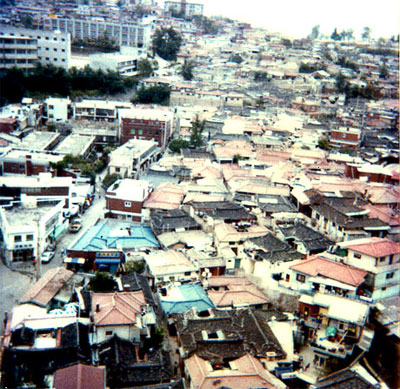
(345, 137)
(146, 123)
(98, 110)
(27, 228)
(187, 9)
(122, 34)
(126, 65)
(24, 47)
(27, 163)
(57, 109)
(133, 157)
(125, 198)
(17, 51)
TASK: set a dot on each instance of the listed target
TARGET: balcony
(327, 340)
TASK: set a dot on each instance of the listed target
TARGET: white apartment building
(122, 34)
(24, 47)
(189, 9)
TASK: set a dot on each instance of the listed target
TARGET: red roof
(80, 377)
(117, 308)
(336, 271)
(374, 247)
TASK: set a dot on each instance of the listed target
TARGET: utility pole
(37, 249)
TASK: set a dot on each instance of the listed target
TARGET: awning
(57, 231)
(107, 261)
(79, 261)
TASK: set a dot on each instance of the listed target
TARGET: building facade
(145, 123)
(187, 9)
(121, 34)
(24, 47)
(125, 198)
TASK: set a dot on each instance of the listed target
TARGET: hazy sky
(296, 18)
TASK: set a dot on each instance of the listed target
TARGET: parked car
(47, 256)
(75, 225)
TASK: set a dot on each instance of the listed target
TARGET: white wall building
(27, 227)
(57, 109)
(380, 258)
(26, 46)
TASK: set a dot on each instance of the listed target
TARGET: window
(382, 259)
(390, 259)
(187, 273)
(17, 238)
(127, 203)
(117, 169)
(140, 132)
(356, 255)
(133, 132)
(300, 278)
(390, 275)
(109, 333)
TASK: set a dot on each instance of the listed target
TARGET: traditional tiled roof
(374, 247)
(240, 332)
(166, 196)
(125, 369)
(338, 215)
(344, 379)
(312, 240)
(247, 373)
(171, 220)
(337, 271)
(47, 287)
(117, 308)
(80, 376)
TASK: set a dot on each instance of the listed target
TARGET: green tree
(236, 58)
(237, 158)
(135, 267)
(366, 33)
(156, 94)
(335, 36)
(206, 25)
(323, 144)
(383, 71)
(109, 179)
(287, 43)
(27, 21)
(166, 43)
(145, 68)
(314, 32)
(187, 69)
(342, 84)
(102, 282)
(196, 139)
(177, 144)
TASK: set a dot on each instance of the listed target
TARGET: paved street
(14, 284)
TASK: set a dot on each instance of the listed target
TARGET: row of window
(55, 49)
(28, 238)
(54, 59)
(39, 37)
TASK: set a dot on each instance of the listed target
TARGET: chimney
(97, 307)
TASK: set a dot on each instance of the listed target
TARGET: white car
(47, 256)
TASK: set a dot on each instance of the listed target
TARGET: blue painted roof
(193, 295)
(103, 236)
